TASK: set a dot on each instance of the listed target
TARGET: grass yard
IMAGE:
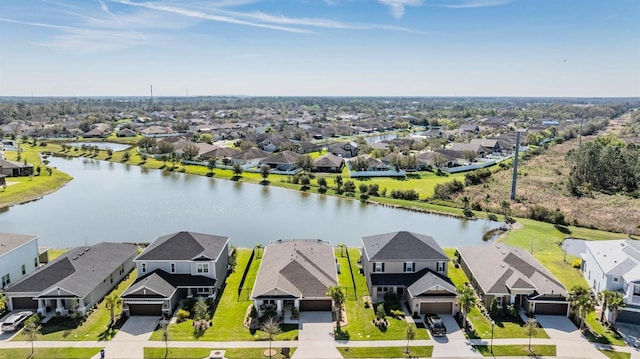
(601, 334)
(359, 319)
(50, 353)
(23, 189)
(199, 353)
(517, 350)
(615, 355)
(56, 252)
(95, 327)
(228, 319)
(385, 352)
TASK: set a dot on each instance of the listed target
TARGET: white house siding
(109, 283)
(593, 273)
(11, 262)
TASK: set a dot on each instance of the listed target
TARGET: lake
(101, 145)
(122, 203)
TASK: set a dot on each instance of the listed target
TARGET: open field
(541, 181)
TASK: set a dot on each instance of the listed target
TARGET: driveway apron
(315, 338)
(454, 344)
(567, 337)
(129, 341)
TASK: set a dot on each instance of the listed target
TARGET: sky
(540, 48)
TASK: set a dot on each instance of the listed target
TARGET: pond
(102, 145)
(122, 203)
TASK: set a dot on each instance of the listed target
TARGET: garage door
(551, 308)
(145, 309)
(625, 316)
(436, 307)
(24, 303)
(315, 305)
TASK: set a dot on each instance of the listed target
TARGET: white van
(15, 321)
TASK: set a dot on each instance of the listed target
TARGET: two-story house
(295, 274)
(75, 281)
(18, 257)
(176, 266)
(615, 265)
(411, 265)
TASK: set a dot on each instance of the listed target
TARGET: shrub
(254, 312)
(476, 177)
(445, 190)
(182, 315)
(380, 313)
(199, 327)
(391, 302)
(397, 313)
(577, 263)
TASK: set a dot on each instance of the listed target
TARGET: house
(512, 276)
(303, 147)
(15, 169)
(488, 145)
(174, 267)
(468, 147)
(328, 163)
(250, 157)
(125, 132)
(295, 274)
(344, 149)
(411, 265)
(75, 281)
(433, 159)
(281, 161)
(18, 256)
(615, 265)
(3, 181)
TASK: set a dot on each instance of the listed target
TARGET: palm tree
(342, 248)
(466, 300)
(112, 302)
(603, 297)
(32, 330)
(338, 296)
(272, 328)
(580, 298)
(258, 247)
(616, 302)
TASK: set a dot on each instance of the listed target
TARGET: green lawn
(615, 355)
(94, 328)
(385, 352)
(601, 334)
(199, 353)
(50, 353)
(228, 319)
(21, 189)
(359, 319)
(517, 350)
(56, 252)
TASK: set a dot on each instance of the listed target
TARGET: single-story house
(281, 161)
(344, 149)
(512, 276)
(411, 265)
(15, 168)
(295, 274)
(328, 163)
(250, 157)
(75, 281)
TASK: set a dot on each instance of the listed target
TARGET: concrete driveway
(129, 341)
(631, 335)
(454, 344)
(315, 338)
(569, 341)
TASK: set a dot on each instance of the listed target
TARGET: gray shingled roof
(11, 241)
(431, 280)
(296, 268)
(416, 283)
(496, 267)
(328, 160)
(164, 284)
(184, 246)
(79, 271)
(402, 245)
(282, 157)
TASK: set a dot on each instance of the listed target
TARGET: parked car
(436, 326)
(15, 321)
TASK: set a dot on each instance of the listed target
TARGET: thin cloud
(59, 4)
(37, 24)
(397, 7)
(474, 4)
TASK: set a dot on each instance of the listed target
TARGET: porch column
(81, 308)
(59, 307)
(279, 305)
(296, 303)
(42, 307)
(512, 299)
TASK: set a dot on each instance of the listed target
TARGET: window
(143, 267)
(378, 267)
(202, 267)
(173, 267)
(6, 280)
(409, 266)
(35, 262)
(615, 279)
(440, 266)
(24, 269)
(499, 301)
(636, 289)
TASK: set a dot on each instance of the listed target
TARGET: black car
(436, 326)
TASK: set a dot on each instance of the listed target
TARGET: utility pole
(151, 87)
(514, 180)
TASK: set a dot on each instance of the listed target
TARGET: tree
(237, 170)
(531, 329)
(338, 182)
(466, 300)
(112, 302)
(305, 181)
(338, 296)
(206, 138)
(506, 208)
(147, 143)
(322, 183)
(305, 162)
(211, 164)
(342, 248)
(109, 152)
(409, 334)
(3, 302)
(581, 302)
(190, 151)
(164, 327)
(258, 248)
(614, 304)
(201, 310)
(264, 172)
(173, 157)
(469, 155)
(126, 156)
(32, 330)
(165, 147)
(271, 328)
(439, 160)
(349, 186)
